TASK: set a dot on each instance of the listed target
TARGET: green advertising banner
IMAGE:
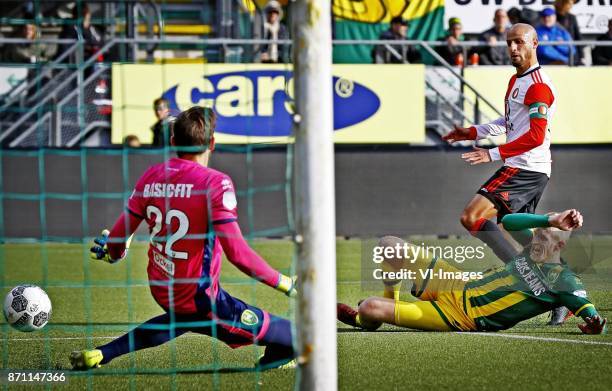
(366, 19)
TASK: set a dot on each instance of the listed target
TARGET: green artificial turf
(91, 303)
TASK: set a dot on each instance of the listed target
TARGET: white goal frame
(314, 195)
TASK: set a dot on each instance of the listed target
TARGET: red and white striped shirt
(529, 108)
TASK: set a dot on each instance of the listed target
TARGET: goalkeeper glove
(100, 249)
(286, 285)
(594, 325)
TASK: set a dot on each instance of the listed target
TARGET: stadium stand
(40, 109)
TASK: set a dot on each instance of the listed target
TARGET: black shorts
(514, 190)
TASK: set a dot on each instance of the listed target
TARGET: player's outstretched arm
(460, 134)
(575, 299)
(567, 220)
(248, 261)
(476, 132)
(594, 325)
(477, 156)
(113, 246)
(572, 293)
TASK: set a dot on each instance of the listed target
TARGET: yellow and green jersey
(521, 290)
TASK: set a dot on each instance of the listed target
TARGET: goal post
(314, 195)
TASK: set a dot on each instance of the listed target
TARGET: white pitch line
(546, 339)
(501, 335)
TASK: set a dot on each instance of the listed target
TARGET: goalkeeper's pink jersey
(180, 201)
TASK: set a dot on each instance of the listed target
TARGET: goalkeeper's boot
(279, 357)
(559, 315)
(86, 359)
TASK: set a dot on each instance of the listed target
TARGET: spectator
(132, 141)
(602, 55)
(85, 30)
(24, 53)
(550, 30)
(452, 52)
(273, 30)
(496, 55)
(161, 129)
(514, 15)
(525, 15)
(570, 23)
(395, 54)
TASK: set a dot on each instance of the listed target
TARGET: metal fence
(58, 106)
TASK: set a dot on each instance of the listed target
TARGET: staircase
(450, 100)
(68, 106)
(446, 103)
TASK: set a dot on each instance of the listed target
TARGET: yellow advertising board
(584, 113)
(254, 102)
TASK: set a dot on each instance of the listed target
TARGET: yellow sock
(358, 321)
(371, 326)
(392, 291)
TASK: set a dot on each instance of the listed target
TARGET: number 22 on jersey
(156, 215)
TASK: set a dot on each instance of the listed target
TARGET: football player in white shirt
(518, 185)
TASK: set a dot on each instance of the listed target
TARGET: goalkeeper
(190, 210)
(532, 283)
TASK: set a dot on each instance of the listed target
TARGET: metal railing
(44, 71)
(39, 111)
(47, 102)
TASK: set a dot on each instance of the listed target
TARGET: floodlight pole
(314, 195)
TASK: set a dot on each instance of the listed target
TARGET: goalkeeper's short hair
(194, 128)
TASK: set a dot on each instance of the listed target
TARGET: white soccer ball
(27, 308)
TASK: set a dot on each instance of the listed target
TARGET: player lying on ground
(191, 213)
(531, 284)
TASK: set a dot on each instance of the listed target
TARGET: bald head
(547, 244)
(523, 29)
(522, 42)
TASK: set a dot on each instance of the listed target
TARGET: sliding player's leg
(395, 263)
(439, 315)
(392, 264)
(421, 315)
(154, 332)
(424, 286)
